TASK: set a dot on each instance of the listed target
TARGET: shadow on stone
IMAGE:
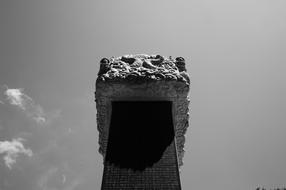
(139, 133)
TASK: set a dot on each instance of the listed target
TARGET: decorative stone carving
(142, 68)
(143, 78)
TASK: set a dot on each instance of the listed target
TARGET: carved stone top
(143, 68)
(143, 77)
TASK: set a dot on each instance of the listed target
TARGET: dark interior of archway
(139, 133)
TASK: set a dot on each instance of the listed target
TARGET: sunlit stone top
(139, 78)
(142, 68)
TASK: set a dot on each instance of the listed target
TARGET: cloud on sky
(56, 153)
(12, 149)
(55, 178)
(25, 103)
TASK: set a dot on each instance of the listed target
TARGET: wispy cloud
(43, 182)
(18, 98)
(12, 149)
(74, 184)
(54, 178)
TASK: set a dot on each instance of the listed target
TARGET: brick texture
(162, 175)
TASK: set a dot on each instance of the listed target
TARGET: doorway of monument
(139, 133)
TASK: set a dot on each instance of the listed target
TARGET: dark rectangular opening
(139, 133)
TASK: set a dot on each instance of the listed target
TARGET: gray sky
(49, 54)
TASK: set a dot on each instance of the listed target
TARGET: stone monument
(142, 117)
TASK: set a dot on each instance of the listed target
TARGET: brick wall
(162, 175)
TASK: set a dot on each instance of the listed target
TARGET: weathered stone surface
(142, 68)
(143, 77)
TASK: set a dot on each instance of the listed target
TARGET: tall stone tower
(142, 117)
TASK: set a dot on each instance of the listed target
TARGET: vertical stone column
(146, 80)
